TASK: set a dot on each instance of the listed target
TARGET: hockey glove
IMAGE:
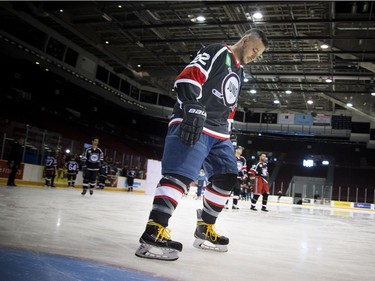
(192, 123)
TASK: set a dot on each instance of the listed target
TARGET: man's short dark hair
(260, 34)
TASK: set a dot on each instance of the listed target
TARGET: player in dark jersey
(91, 161)
(198, 135)
(50, 166)
(260, 173)
(241, 177)
(103, 173)
(130, 179)
(72, 168)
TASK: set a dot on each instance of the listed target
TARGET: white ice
(289, 243)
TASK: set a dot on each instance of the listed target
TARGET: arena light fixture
(324, 46)
(288, 92)
(201, 18)
(253, 91)
(349, 104)
(329, 80)
(373, 94)
(276, 101)
(257, 15)
(310, 102)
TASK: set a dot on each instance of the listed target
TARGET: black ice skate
(235, 207)
(156, 243)
(84, 191)
(264, 209)
(253, 208)
(207, 238)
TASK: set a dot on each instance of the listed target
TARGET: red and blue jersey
(214, 79)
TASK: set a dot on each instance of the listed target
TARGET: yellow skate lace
(210, 232)
(163, 232)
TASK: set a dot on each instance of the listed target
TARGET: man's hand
(192, 123)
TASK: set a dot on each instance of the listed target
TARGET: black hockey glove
(192, 123)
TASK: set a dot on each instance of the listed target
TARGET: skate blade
(206, 245)
(158, 253)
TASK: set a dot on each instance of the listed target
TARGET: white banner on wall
(285, 118)
(153, 176)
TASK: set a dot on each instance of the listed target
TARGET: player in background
(103, 172)
(259, 172)
(92, 159)
(50, 166)
(72, 167)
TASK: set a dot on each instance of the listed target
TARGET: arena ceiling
(152, 41)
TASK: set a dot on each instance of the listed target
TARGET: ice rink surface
(49, 233)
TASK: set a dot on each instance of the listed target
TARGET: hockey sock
(254, 200)
(167, 195)
(215, 196)
(264, 200)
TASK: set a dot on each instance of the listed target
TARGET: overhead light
(288, 92)
(325, 162)
(324, 46)
(349, 104)
(61, 10)
(276, 101)
(329, 80)
(107, 42)
(246, 79)
(119, 6)
(257, 15)
(310, 102)
(201, 18)
(253, 91)
(139, 65)
(373, 94)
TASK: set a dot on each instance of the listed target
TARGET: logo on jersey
(94, 157)
(230, 89)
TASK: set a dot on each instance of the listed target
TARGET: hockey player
(242, 174)
(201, 183)
(50, 166)
(260, 172)
(130, 179)
(103, 172)
(199, 135)
(72, 168)
(91, 161)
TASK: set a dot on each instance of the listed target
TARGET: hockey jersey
(50, 163)
(72, 167)
(242, 167)
(92, 158)
(214, 79)
(260, 169)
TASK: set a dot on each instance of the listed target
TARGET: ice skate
(83, 192)
(207, 238)
(156, 243)
(235, 207)
(264, 209)
(91, 191)
(253, 208)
